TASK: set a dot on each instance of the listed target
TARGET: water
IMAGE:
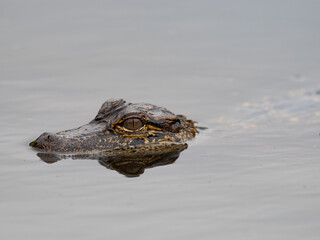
(248, 70)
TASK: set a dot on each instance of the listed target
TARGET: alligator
(122, 129)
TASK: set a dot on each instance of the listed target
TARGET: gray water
(247, 70)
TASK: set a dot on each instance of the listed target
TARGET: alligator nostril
(47, 137)
(50, 137)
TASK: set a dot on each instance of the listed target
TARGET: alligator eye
(133, 123)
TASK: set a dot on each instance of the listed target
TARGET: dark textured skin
(161, 131)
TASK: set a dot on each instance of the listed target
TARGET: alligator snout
(45, 140)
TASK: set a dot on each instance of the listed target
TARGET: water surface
(248, 70)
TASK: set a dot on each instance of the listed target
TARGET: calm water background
(244, 69)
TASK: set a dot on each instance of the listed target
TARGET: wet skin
(122, 128)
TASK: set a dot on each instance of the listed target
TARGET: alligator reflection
(130, 165)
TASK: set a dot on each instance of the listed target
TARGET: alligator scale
(123, 128)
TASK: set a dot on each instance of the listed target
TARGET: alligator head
(122, 127)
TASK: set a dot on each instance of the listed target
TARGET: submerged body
(124, 128)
